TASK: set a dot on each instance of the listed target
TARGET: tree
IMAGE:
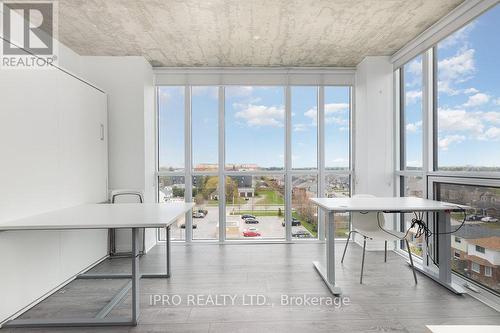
(177, 192)
(210, 186)
(199, 199)
(304, 207)
(231, 190)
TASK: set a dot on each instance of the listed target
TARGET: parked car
(183, 226)
(198, 215)
(251, 221)
(295, 222)
(251, 233)
(474, 217)
(301, 234)
(247, 216)
(489, 219)
(204, 211)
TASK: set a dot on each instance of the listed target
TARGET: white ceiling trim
(450, 23)
(255, 76)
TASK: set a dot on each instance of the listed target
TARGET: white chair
(367, 225)
(125, 196)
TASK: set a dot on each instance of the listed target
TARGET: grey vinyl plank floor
(387, 301)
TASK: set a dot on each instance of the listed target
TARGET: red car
(250, 233)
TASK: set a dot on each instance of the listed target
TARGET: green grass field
(270, 197)
(257, 212)
(309, 226)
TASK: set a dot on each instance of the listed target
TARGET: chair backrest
(126, 196)
(366, 221)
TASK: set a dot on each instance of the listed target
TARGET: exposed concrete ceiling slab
(220, 33)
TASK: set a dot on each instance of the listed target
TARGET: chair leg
(346, 243)
(385, 252)
(363, 260)
(411, 261)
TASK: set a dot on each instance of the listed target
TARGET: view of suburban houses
(261, 197)
(476, 245)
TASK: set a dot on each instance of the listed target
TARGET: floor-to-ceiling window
(171, 156)
(304, 160)
(271, 148)
(205, 157)
(449, 111)
(255, 161)
(337, 128)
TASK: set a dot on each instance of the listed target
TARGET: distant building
(246, 192)
(476, 254)
(242, 167)
(483, 259)
(489, 204)
(206, 167)
(242, 181)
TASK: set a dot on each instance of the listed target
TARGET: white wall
(374, 131)
(51, 157)
(129, 84)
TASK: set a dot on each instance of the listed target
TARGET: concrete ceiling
(246, 32)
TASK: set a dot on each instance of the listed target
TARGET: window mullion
(222, 163)
(288, 164)
(427, 108)
(188, 155)
(321, 157)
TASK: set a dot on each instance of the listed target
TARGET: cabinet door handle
(102, 132)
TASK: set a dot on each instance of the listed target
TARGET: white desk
(105, 216)
(441, 274)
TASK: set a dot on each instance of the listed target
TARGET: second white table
(441, 274)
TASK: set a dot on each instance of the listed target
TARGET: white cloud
(470, 91)
(458, 66)
(413, 127)
(456, 69)
(491, 116)
(262, 115)
(477, 100)
(491, 134)
(415, 67)
(332, 111)
(413, 96)
(444, 87)
(447, 140)
(459, 120)
(458, 37)
(458, 125)
(313, 114)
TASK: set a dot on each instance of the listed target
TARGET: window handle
(102, 132)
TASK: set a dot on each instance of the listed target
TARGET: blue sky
(468, 97)
(255, 129)
(255, 119)
(171, 125)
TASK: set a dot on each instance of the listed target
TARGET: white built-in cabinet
(53, 154)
